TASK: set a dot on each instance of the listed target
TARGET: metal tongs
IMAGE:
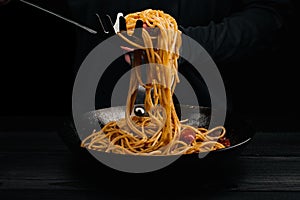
(107, 27)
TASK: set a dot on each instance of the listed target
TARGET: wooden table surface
(36, 164)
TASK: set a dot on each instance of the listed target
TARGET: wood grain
(36, 164)
(79, 194)
(60, 171)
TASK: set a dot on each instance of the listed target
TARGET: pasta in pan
(160, 132)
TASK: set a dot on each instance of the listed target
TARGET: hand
(127, 56)
(127, 49)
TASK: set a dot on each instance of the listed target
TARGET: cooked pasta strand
(161, 133)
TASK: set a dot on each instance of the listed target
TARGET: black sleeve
(242, 34)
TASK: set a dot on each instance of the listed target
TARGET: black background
(37, 57)
(38, 51)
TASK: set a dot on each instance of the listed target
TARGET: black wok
(239, 131)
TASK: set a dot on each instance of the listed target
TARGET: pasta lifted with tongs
(160, 132)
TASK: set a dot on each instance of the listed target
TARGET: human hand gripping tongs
(131, 41)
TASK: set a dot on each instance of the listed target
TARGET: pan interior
(236, 129)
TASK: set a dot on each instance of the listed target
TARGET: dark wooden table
(36, 164)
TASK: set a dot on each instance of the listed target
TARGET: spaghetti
(161, 132)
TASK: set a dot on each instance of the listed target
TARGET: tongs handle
(108, 31)
(61, 17)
